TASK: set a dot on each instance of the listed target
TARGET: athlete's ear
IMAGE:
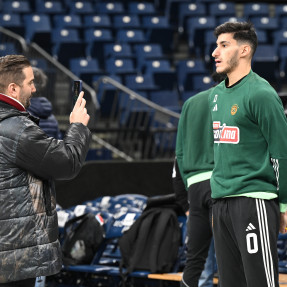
(245, 51)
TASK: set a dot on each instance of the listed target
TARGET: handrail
(106, 79)
(63, 69)
(15, 36)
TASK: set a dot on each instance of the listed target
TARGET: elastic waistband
(198, 178)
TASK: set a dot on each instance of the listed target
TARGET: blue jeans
(210, 267)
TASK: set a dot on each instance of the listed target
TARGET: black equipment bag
(82, 238)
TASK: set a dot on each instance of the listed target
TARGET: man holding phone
(29, 162)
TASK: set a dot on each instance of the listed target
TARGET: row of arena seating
(117, 214)
(137, 43)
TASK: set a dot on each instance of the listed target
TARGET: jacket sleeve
(269, 112)
(50, 158)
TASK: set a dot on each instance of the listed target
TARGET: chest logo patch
(234, 109)
(225, 134)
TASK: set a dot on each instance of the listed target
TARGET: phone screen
(77, 88)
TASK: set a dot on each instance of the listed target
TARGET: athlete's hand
(79, 113)
(283, 222)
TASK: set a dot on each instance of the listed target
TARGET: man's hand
(79, 113)
(283, 222)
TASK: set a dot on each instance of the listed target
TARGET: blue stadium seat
(141, 8)
(67, 44)
(186, 70)
(164, 75)
(97, 21)
(220, 9)
(119, 66)
(49, 7)
(147, 51)
(185, 10)
(95, 39)
(140, 83)
(67, 21)
(126, 22)
(265, 23)
(201, 83)
(159, 31)
(121, 50)
(167, 99)
(171, 10)
(279, 38)
(265, 62)
(12, 22)
(256, 9)
(21, 7)
(131, 36)
(280, 10)
(38, 29)
(196, 28)
(85, 69)
(109, 8)
(8, 48)
(81, 7)
(209, 45)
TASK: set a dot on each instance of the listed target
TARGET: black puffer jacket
(29, 162)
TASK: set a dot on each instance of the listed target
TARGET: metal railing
(133, 124)
(125, 123)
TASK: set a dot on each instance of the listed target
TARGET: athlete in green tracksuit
(249, 180)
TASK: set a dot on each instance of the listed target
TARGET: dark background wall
(101, 178)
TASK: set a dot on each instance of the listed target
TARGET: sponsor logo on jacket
(225, 134)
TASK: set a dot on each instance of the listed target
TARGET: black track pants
(245, 232)
(199, 232)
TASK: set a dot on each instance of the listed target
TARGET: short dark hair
(242, 32)
(11, 70)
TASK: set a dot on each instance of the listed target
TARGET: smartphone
(77, 88)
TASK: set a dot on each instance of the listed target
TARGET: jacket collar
(8, 100)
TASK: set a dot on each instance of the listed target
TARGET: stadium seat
(131, 36)
(171, 10)
(226, 9)
(141, 8)
(147, 51)
(185, 10)
(266, 63)
(8, 48)
(12, 22)
(67, 21)
(67, 44)
(85, 69)
(159, 31)
(110, 8)
(97, 21)
(164, 75)
(196, 28)
(121, 50)
(186, 70)
(201, 82)
(95, 39)
(38, 29)
(126, 22)
(256, 9)
(140, 83)
(81, 7)
(167, 99)
(119, 66)
(210, 45)
(49, 7)
(21, 7)
(265, 23)
(279, 38)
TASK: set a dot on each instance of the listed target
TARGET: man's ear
(246, 51)
(12, 90)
